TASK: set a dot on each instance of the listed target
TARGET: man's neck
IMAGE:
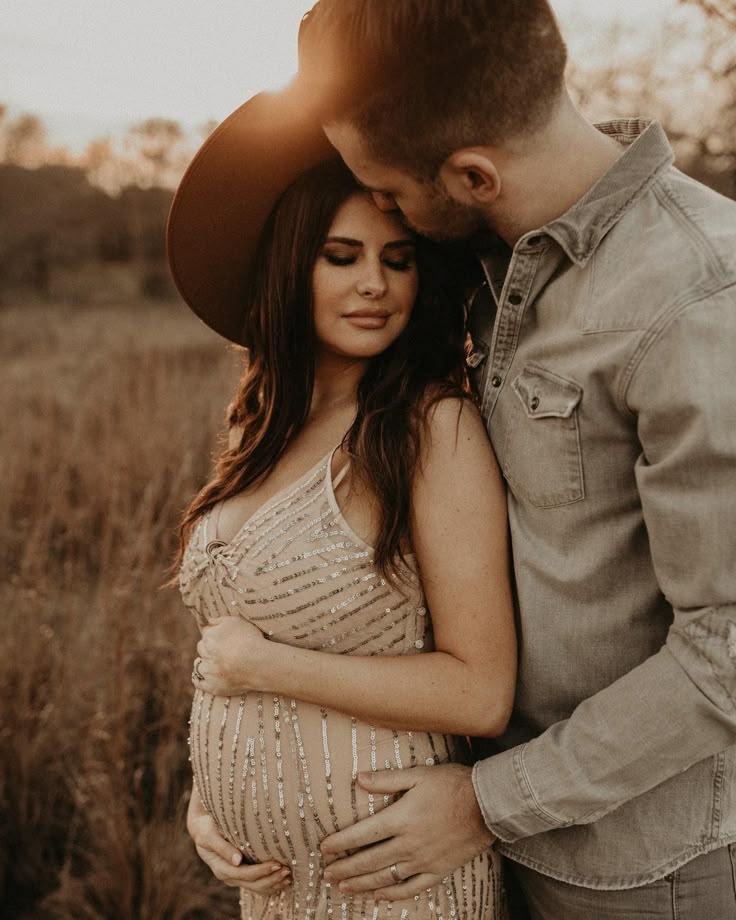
(544, 180)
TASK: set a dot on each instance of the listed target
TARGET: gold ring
(395, 873)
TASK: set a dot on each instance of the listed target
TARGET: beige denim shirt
(608, 385)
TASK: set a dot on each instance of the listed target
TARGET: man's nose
(384, 201)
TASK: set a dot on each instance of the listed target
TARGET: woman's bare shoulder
(456, 453)
(451, 420)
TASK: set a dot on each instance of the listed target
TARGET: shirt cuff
(506, 797)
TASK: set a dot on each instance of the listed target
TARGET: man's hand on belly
(433, 829)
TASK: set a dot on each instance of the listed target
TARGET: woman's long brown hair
(396, 392)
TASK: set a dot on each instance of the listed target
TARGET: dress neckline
(262, 508)
(330, 487)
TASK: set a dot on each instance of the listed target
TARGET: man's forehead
(371, 173)
(349, 144)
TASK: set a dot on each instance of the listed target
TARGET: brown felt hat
(226, 195)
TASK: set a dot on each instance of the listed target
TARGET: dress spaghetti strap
(340, 476)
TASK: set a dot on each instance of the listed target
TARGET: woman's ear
(471, 177)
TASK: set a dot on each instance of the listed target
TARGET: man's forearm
(667, 714)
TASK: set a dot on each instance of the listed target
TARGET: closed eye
(399, 265)
(334, 259)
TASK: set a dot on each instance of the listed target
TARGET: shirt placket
(517, 292)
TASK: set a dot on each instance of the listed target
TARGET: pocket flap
(545, 394)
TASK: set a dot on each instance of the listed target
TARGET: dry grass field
(108, 421)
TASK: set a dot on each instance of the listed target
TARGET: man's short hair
(422, 78)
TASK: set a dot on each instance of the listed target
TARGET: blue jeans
(703, 889)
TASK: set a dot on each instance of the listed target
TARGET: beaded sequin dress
(278, 774)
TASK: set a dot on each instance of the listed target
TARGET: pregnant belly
(278, 775)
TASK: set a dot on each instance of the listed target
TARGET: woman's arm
(459, 530)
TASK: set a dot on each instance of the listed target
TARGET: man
(607, 381)
(603, 353)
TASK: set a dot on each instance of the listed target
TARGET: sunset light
(360, 433)
(91, 68)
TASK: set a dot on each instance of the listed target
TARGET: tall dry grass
(108, 420)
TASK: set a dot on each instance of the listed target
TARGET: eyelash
(338, 260)
(401, 266)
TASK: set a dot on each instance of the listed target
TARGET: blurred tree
(159, 152)
(3, 115)
(714, 147)
(65, 223)
(103, 165)
(721, 9)
(54, 224)
(25, 141)
(44, 220)
(685, 77)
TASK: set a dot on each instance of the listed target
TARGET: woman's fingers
(261, 878)
(203, 831)
(224, 859)
(272, 883)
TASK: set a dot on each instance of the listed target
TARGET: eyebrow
(347, 241)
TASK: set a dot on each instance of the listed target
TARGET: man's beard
(452, 221)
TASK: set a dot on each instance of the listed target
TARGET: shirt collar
(580, 230)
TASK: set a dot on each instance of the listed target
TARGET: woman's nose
(372, 281)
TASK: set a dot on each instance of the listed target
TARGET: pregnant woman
(347, 563)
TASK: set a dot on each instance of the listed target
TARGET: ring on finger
(196, 673)
(395, 873)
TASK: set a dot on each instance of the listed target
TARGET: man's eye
(334, 259)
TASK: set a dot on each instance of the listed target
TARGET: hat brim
(226, 195)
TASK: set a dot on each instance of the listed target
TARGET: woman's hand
(225, 860)
(231, 652)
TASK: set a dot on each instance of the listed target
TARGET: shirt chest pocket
(542, 458)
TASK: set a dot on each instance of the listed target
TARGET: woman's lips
(368, 320)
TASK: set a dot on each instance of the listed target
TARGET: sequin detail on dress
(276, 774)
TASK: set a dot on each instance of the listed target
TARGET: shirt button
(534, 404)
(515, 299)
(495, 381)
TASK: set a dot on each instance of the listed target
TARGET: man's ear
(471, 177)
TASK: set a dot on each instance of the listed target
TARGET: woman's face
(364, 282)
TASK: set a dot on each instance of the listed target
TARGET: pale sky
(91, 67)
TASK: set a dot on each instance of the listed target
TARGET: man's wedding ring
(395, 873)
(196, 674)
